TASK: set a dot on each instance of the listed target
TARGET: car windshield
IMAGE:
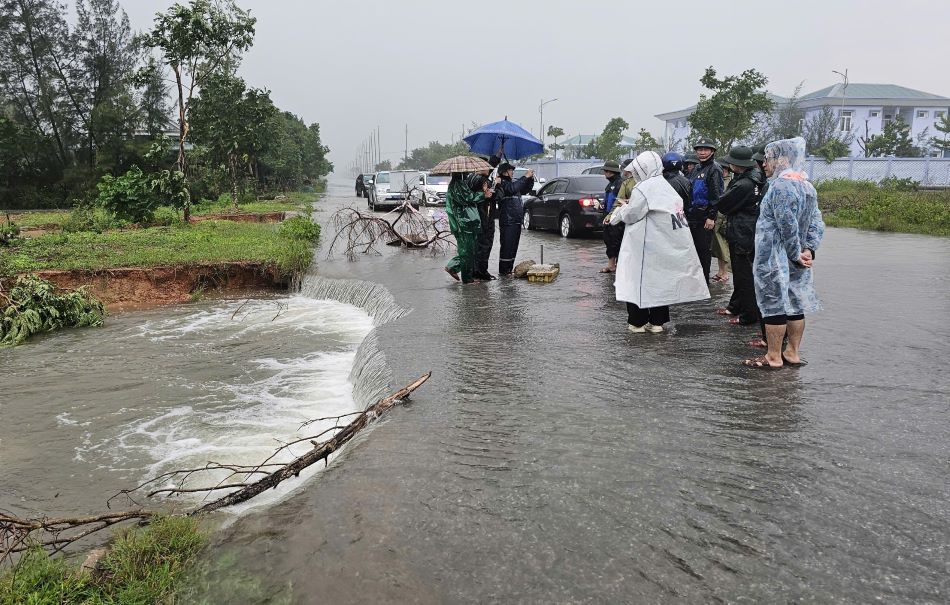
(382, 177)
(520, 172)
(587, 184)
(367, 178)
(438, 179)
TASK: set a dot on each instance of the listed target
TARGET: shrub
(135, 196)
(300, 228)
(34, 306)
(129, 197)
(95, 220)
(9, 233)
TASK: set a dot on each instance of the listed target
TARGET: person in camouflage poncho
(461, 206)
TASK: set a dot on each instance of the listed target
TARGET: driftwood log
(18, 534)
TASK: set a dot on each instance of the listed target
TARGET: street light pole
(844, 92)
(541, 111)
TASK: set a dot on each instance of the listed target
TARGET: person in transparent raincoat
(657, 265)
(787, 235)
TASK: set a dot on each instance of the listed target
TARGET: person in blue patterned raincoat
(787, 235)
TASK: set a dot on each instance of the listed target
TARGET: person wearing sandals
(787, 235)
(720, 247)
(740, 205)
(657, 265)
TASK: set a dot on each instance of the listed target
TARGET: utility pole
(405, 157)
(541, 111)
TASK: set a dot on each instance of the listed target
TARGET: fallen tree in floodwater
(359, 232)
(18, 534)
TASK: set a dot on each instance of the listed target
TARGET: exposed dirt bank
(143, 287)
(242, 217)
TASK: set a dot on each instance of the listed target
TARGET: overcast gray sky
(436, 65)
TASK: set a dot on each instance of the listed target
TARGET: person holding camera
(508, 194)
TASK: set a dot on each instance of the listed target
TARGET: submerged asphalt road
(554, 457)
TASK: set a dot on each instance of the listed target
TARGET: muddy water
(553, 457)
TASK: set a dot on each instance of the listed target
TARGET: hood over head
(646, 165)
(788, 154)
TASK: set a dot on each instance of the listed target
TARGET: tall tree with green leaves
(235, 123)
(647, 142)
(730, 113)
(555, 132)
(33, 36)
(606, 146)
(894, 141)
(423, 158)
(942, 143)
(197, 41)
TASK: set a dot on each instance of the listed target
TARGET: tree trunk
(182, 133)
(315, 455)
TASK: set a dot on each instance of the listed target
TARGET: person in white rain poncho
(658, 265)
(787, 235)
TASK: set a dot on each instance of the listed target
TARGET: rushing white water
(296, 362)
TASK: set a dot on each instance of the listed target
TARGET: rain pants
(658, 264)
(789, 222)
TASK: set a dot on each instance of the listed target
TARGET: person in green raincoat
(461, 206)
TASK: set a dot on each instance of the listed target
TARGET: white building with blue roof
(861, 109)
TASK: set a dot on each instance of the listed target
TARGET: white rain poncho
(658, 264)
(789, 222)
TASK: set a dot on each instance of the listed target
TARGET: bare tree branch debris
(19, 534)
(359, 232)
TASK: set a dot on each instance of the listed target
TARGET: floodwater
(552, 457)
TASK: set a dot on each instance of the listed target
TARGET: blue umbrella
(519, 143)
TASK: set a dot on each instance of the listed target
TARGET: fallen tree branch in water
(18, 534)
(362, 232)
(320, 451)
(54, 534)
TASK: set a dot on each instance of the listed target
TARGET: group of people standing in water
(665, 217)
(667, 223)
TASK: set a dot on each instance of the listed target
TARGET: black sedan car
(571, 205)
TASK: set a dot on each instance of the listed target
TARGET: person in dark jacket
(360, 186)
(706, 180)
(613, 234)
(740, 205)
(510, 213)
(480, 182)
(672, 172)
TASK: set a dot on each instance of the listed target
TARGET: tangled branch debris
(18, 534)
(359, 232)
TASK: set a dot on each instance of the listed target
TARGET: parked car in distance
(434, 187)
(571, 205)
(382, 198)
(538, 182)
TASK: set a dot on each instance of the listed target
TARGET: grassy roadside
(205, 242)
(296, 201)
(144, 565)
(898, 208)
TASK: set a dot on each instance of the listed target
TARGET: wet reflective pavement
(554, 457)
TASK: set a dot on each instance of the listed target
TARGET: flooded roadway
(554, 457)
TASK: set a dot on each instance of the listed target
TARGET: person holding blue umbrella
(510, 213)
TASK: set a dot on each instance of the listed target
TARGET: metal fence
(930, 172)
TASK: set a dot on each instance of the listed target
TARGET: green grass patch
(298, 201)
(204, 242)
(145, 566)
(892, 207)
(98, 219)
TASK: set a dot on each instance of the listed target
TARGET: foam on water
(242, 419)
